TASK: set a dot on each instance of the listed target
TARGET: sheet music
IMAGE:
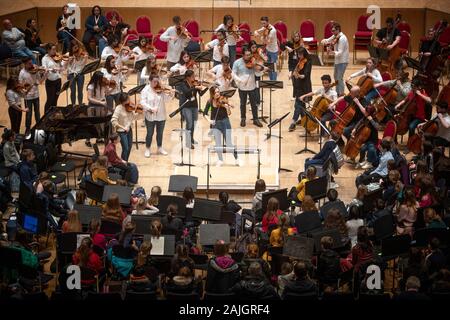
(80, 238)
(157, 246)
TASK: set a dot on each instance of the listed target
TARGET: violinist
(77, 61)
(122, 120)
(232, 36)
(326, 91)
(372, 72)
(27, 76)
(15, 109)
(420, 98)
(52, 63)
(388, 36)
(219, 47)
(153, 101)
(64, 29)
(95, 24)
(246, 83)
(220, 123)
(115, 49)
(292, 47)
(32, 39)
(112, 73)
(258, 56)
(222, 74)
(176, 41)
(339, 42)
(186, 63)
(302, 84)
(150, 68)
(143, 50)
(114, 27)
(442, 137)
(97, 91)
(402, 84)
(269, 35)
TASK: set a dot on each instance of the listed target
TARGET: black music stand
(269, 84)
(310, 117)
(378, 53)
(315, 60)
(200, 57)
(177, 183)
(65, 87)
(228, 93)
(275, 122)
(138, 66)
(176, 80)
(134, 92)
(90, 67)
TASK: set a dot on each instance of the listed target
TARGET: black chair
(307, 221)
(65, 167)
(110, 228)
(94, 190)
(367, 297)
(384, 227)
(103, 297)
(200, 261)
(317, 188)
(140, 296)
(193, 296)
(219, 296)
(301, 297)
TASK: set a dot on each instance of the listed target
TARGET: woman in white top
(77, 60)
(15, 108)
(112, 50)
(353, 223)
(97, 92)
(141, 52)
(222, 79)
(219, 46)
(153, 101)
(53, 81)
(142, 208)
(232, 37)
(150, 68)
(186, 63)
(112, 73)
(122, 120)
(372, 72)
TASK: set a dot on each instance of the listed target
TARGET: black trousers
(367, 178)
(52, 89)
(16, 119)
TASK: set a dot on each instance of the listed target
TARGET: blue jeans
(159, 132)
(311, 162)
(413, 125)
(30, 104)
(102, 44)
(79, 82)
(372, 94)
(370, 149)
(339, 70)
(41, 50)
(252, 95)
(232, 55)
(190, 115)
(222, 129)
(24, 53)
(65, 38)
(272, 57)
(129, 172)
(126, 141)
(298, 110)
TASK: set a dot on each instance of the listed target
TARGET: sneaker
(359, 165)
(334, 185)
(350, 161)
(219, 163)
(162, 151)
(242, 122)
(292, 127)
(257, 123)
(366, 166)
(238, 162)
(147, 153)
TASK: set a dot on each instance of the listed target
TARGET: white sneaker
(359, 165)
(162, 151)
(147, 153)
(239, 163)
(219, 163)
(368, 165)
(334, 185)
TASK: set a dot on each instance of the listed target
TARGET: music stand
(177, 183)
(378, 53)
(269, 84)
(309, 117)
(275, 122)
(90, 67)
(65, 87)
(134, 92)
(315, 60)
(176, 80)
(228, 93)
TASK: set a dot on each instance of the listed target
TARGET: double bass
(320, 106)
(415, 141)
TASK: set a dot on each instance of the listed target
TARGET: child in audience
(287, 275)
(86, 257)
(353, 223)
(270, 218)
(73, 223)
(112, 210)
(98, 239)
(260, 188)
(301, 187)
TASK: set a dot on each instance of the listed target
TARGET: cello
(365, 84)
(380, 105)
(361, 135)
(344, 119)
(404, 116)
(415, 141)
(320, 106)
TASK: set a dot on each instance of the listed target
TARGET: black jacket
(183, 285)
(303, 86)
(301, 287)
(254, 288)
(221, 277)
(328, 267)
(186, 94)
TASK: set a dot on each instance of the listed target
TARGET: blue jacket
(27, 173)
(90, 23)
(326, 151)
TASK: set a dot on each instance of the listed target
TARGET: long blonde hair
(144, 252)
(73, 221)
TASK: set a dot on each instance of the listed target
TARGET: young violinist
(222, 74)
(143, 50)
(371, 71)
(151, 68)
(114, 49)
(114, 27)
(339, 42)
(420, 98)
(65, 29)
(219, 47)
(32, 76)
(14, 94)
(442, 136)
(259, 57)
(177, 40)
(220, 123)
(302, 84)
(389, 35)
(52, 63)
(153, 101)
(186, 63)
(292, 46)
(122, 120)
(326, 91)
(232, 36)
(32, 39)
(112, 73)
(97, 89)
(77, 61)
(244, 76)
(270, 40)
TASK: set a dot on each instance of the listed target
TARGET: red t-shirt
(94, 261)
(273, 221)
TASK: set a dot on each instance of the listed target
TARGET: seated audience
(112, 210)
(98, 239)
(381, 171)
(142, 208)
(279, 235)
(15, 40)
(353, 223)
(436, 259)
(260, 188)
(328, 263)
(407, 213)
(301, 187)
(99, 171)
(128, 170)
(255, 285)
(26, 169)
(332, 203)
(335, 221)
(270, 218)
(302, 283)
(222, 272)
(184, 282)
(433, 220)
(171, 222)
(86, 257)
(362, 252)
(287, 275)
(181, 259)
(252, 255)
(73, 223)
(411, 292)
(324, 154)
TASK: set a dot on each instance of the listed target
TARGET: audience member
(302, 284)
(223, 271)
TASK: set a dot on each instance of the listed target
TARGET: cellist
(421, 98)
(402, 84)
(442, 137)
(326, 91)
(370, 70)
(389, 35)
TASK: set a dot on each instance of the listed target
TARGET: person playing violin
(27, 76)
(186, 63)
(231, 36)
(114, 27)
(122, 120)
(421, 98)
(143, 50)
(326, 91)
(53, 82)
(389, 35)
(269, 35)
(176, 41)
(339, 42)
(442, 137)
(220, 123)
(292, 46)
(150, 68)
(370, 70)
(77, 61)
(14, 96)
(32, 39)
(64, 29)
(153, 101)
(219, 47)
(114, 49)
(112, 73)
(222, 74)
(302, 84)
(260, 57)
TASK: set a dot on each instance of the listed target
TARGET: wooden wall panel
(19, 18)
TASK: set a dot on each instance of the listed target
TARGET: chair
(193, 296)
(160, 46)
(405, 42)
(140, 296)
(281, 54)
(282, 27)
(307, 31)
(89, 279)
(362, 37)
(133, 36)
(65, 167)
(246, 38)
(193, 27)
(301, 297)
(327, 33)
(109, 228)
(144, 27)
(390, 131)
(444, 38)
(104, 297)
(219, 296)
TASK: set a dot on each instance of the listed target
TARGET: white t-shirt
(100, 93)
(181, 69)
(118, 78)
(152, 101)
(330, 94)
(272, 40)
(220, 80)
(52, 67)
(353, 226)
(231, 40)
(217, 56)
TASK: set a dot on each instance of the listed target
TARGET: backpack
(338, 156)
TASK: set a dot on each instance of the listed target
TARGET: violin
(124, 50)
(299, 67)
(130, 107)
(58, 57)
(253, 63)
(404, 116)
(183, 33)
(148, 48)
(36, 69)
(415, 141)
(319, 107)
(23, 87)
(222, 102)
(160, 89)
(123, 69)
(234, 30)
(109, 83)
(191, 64)
(227, 73)
(333, 42)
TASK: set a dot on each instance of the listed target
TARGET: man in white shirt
(219, 46)
(271, 42)
(232, 38)
(176, 43)
(371, 71)
(222, 80)
(341, 55)
(15, 40)
(246, 83)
